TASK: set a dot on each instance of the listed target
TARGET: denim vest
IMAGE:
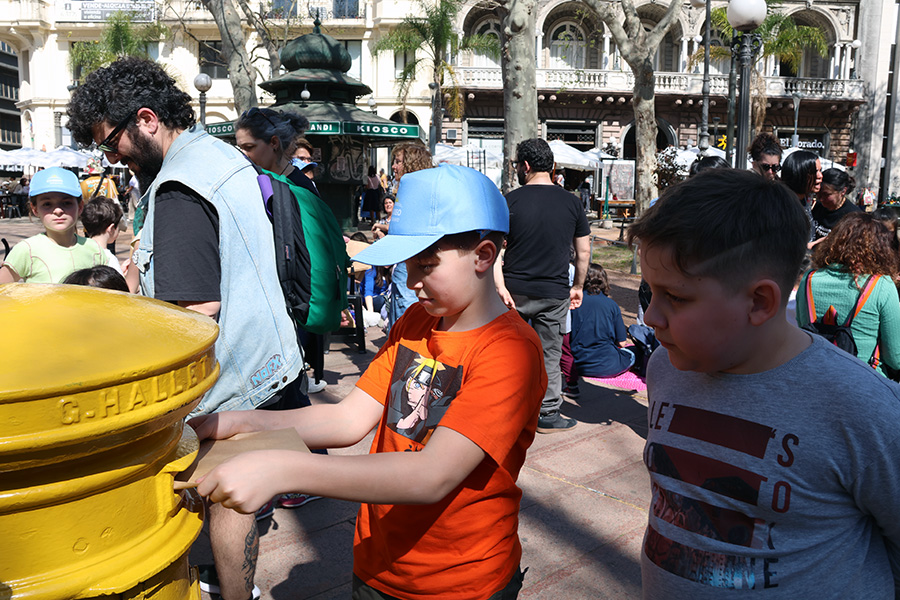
(257, 344)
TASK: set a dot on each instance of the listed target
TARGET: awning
(338, 119)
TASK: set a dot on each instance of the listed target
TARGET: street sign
(220, 129)
(324, 128)
(379, 130)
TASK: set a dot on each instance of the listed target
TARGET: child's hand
(217, 426)
(243, 483)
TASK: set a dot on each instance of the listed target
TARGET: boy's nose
(653, 317)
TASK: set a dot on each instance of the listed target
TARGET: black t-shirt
(543, 221)
(186, 263)
(824, 220)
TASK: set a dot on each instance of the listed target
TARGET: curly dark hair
(859, 244)
(415, 156)
(597, 281)
(537, 153)
(111, 94)
(765, 143)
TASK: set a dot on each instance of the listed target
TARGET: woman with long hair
(831, 201)
(858, 247)
(802, 172)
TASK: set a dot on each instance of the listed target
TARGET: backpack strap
(864, 294)
(810, 304)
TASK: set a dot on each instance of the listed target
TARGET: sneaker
(316, 386)
(266, 510)
(209, 581)
(295, 500)
(555, 423)
(572, 392)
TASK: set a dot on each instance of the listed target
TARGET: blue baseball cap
(302, 164)
(55, 179)
(432, 203)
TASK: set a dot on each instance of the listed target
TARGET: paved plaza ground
(583, 513)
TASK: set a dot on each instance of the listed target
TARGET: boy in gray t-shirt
(773, 456)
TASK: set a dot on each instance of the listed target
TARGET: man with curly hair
(206, 245)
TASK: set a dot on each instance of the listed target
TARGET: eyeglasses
(107, 145)
(773, 168)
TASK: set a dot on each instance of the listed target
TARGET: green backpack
(310, 254)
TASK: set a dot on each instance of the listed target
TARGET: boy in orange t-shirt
(455, 394)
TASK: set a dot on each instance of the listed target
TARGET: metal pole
(749, 42)
(704, 115)
(732, 85)
(203, 109)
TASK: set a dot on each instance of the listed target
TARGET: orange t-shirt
(487, 385)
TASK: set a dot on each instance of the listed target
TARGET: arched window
(567, 47)
(490, 27)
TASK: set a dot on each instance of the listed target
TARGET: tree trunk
(437, 104)
(234, 50)
(645, 134)
(519, 80)
(268, 43)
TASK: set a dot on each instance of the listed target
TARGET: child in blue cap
(454, 393)
(50, 257)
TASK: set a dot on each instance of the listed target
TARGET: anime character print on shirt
(421, 392)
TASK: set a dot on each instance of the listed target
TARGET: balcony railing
(666, 83)
(18, 11)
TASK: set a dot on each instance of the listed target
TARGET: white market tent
(566, 156)
(826, 164)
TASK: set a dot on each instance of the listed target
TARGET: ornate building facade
(584, 88)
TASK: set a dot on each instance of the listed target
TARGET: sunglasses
(773, 168)
(258, 111)
(107, 145)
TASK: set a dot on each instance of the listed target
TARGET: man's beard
(520, 176)
(148, 156)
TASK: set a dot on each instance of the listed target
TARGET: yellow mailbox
(94, 389)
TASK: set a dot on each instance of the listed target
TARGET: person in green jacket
(857, 247)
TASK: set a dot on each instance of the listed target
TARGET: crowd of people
(770, 450)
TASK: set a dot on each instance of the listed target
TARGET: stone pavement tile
(584, 457)
(609, 573)
(310, 556)
(583, 538)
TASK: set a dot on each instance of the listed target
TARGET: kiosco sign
(375, 129)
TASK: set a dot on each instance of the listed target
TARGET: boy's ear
(485, 255)
(765, 295)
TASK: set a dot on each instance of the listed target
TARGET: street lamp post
(373, 152)
(795, 139)
(745, 16)
(202, 82)
(704, 114)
